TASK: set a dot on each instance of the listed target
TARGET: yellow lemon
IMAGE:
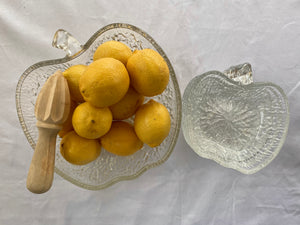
(73, 74)
(91, 122)
(121, 139)
(105, 82)
(152, 123)
(127, 106)
(148, 71)
(78, 150)
(67, 125)
(113, 49)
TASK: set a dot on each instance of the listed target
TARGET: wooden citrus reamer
(51, 110)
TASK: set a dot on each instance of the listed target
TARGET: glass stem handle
(65, 41)
(241, 73)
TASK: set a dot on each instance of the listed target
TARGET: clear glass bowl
(237, 123)
(108, 168)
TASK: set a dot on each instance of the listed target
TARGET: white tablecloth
(197, 36)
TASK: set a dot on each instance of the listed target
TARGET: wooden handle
(40, 175)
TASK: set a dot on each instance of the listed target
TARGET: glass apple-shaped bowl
(107, 169)
(234, 121)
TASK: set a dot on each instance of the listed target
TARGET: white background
(197, 36)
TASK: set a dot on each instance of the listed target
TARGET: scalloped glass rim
(68, 58)
(219, 160)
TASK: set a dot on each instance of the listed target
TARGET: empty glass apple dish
(233, 121)
(107, 168)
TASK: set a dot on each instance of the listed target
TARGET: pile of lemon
(108, 91)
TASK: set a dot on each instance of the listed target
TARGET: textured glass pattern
(108, 168)
(239, 126)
